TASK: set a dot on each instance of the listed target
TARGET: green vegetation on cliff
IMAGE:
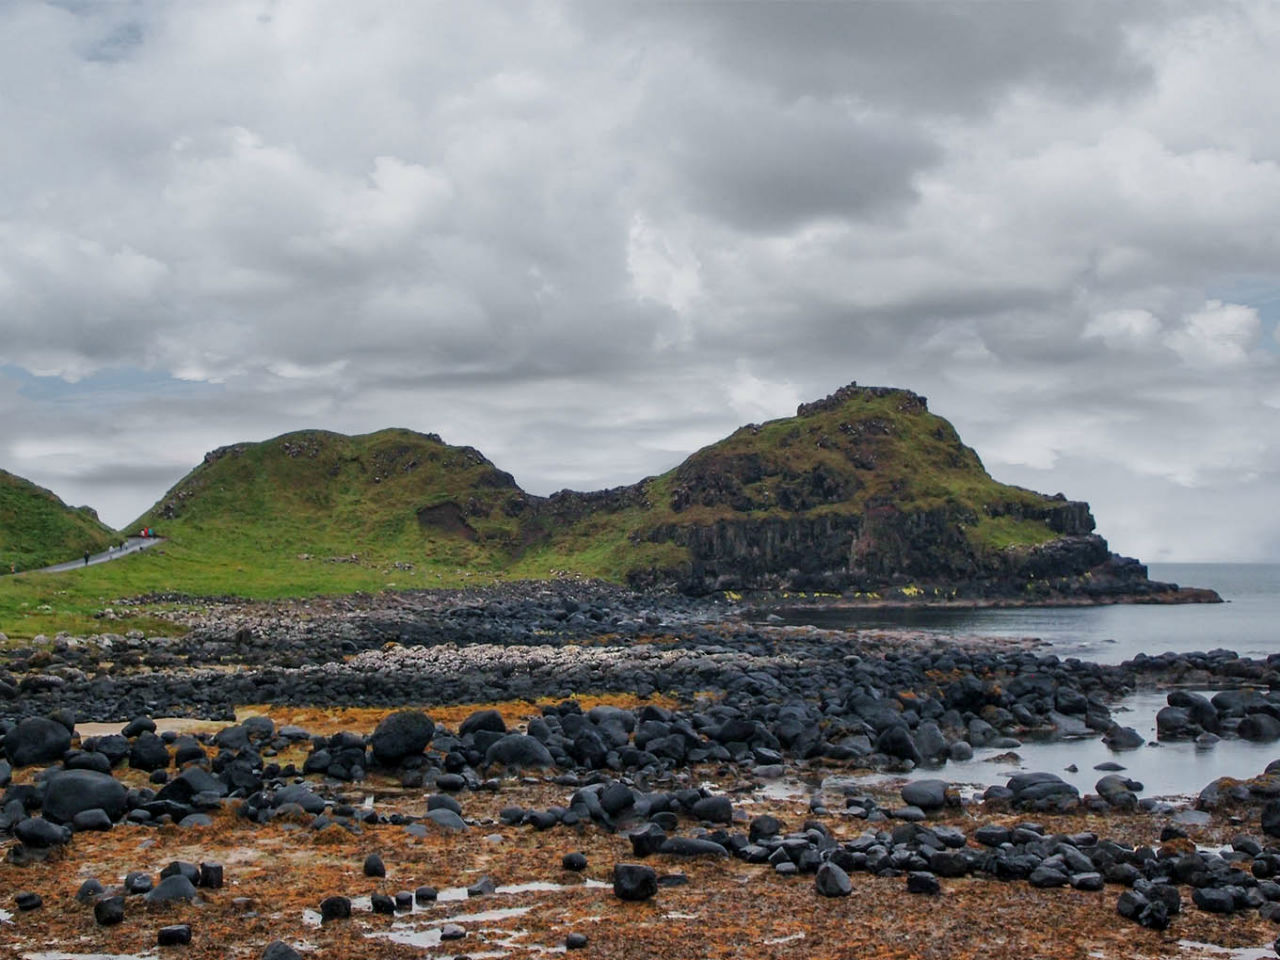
(37, 529)
(861, 489)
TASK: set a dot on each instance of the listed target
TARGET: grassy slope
(327, 495)
(875, 449)
(240, 521)
(37, 529)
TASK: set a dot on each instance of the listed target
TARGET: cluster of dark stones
(1245, 713)
(178, 882)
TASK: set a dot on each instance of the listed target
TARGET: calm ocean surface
(1249, 623)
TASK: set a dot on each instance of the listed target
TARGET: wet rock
(41, 834)
(279, 950)
(380, 903)
(374, 867)
(210, 875)
(446, 820)
(27, 901)
(138, 882)
(1214, 899)
(482, 887)
(920, 881)
(691, 847)
(576, 862)
(714, 809)
(175, 887)
(928, 795)
(424, 895)
(487, 720)
(90, 890)
(831, 881)
(1259, 727)
(518, 750)
(75, 791)
(1271, 818)
(575, 941)
(634, 881)
(335, 908)
(148, 752)
(1122, 738)
(36, 740)
(451, 931)
(404, 733)
(109, 911)
(91, 820)
(175, 935)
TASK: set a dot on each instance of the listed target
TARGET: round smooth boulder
(75, 791)
(279, 950)
(36, 740)
(518, 750)
(404, 733)
(928, 795)
(634, 881)
(109, 911)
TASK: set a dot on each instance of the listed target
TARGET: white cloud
(1220, 335)
(588, 238)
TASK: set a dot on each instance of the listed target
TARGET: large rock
(75, 791)
(832, 881)
(36, 740)
(173, 887)
(405, 733)
(896, 742)
(148, 752)
(1259, 727)
(634, 881)
(518, 750)
(40, 833)
(490, 720)
(928, 795)
(1122, 738)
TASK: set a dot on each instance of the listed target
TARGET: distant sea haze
(1248, 623)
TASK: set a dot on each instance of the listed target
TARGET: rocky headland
(862, 497)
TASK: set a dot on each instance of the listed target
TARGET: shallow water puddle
(455, 894)
(1210, 951)
(790, 938)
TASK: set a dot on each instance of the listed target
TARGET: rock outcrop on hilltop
(864, 493)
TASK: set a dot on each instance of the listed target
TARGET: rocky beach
(569, 765)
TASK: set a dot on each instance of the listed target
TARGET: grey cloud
(936, 57)
(589, 238)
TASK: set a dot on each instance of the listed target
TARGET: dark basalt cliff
(866, 494)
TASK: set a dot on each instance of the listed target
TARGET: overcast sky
(590, 238)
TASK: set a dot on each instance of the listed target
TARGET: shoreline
(1184, 595)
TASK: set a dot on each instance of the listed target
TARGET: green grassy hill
(318, 498)
(867, 479)
(37, 529)
(863, 491)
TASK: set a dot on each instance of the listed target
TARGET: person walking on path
(86, 558)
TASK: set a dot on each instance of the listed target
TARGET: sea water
(1248, 623)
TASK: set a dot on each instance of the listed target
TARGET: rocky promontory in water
(862, 497)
